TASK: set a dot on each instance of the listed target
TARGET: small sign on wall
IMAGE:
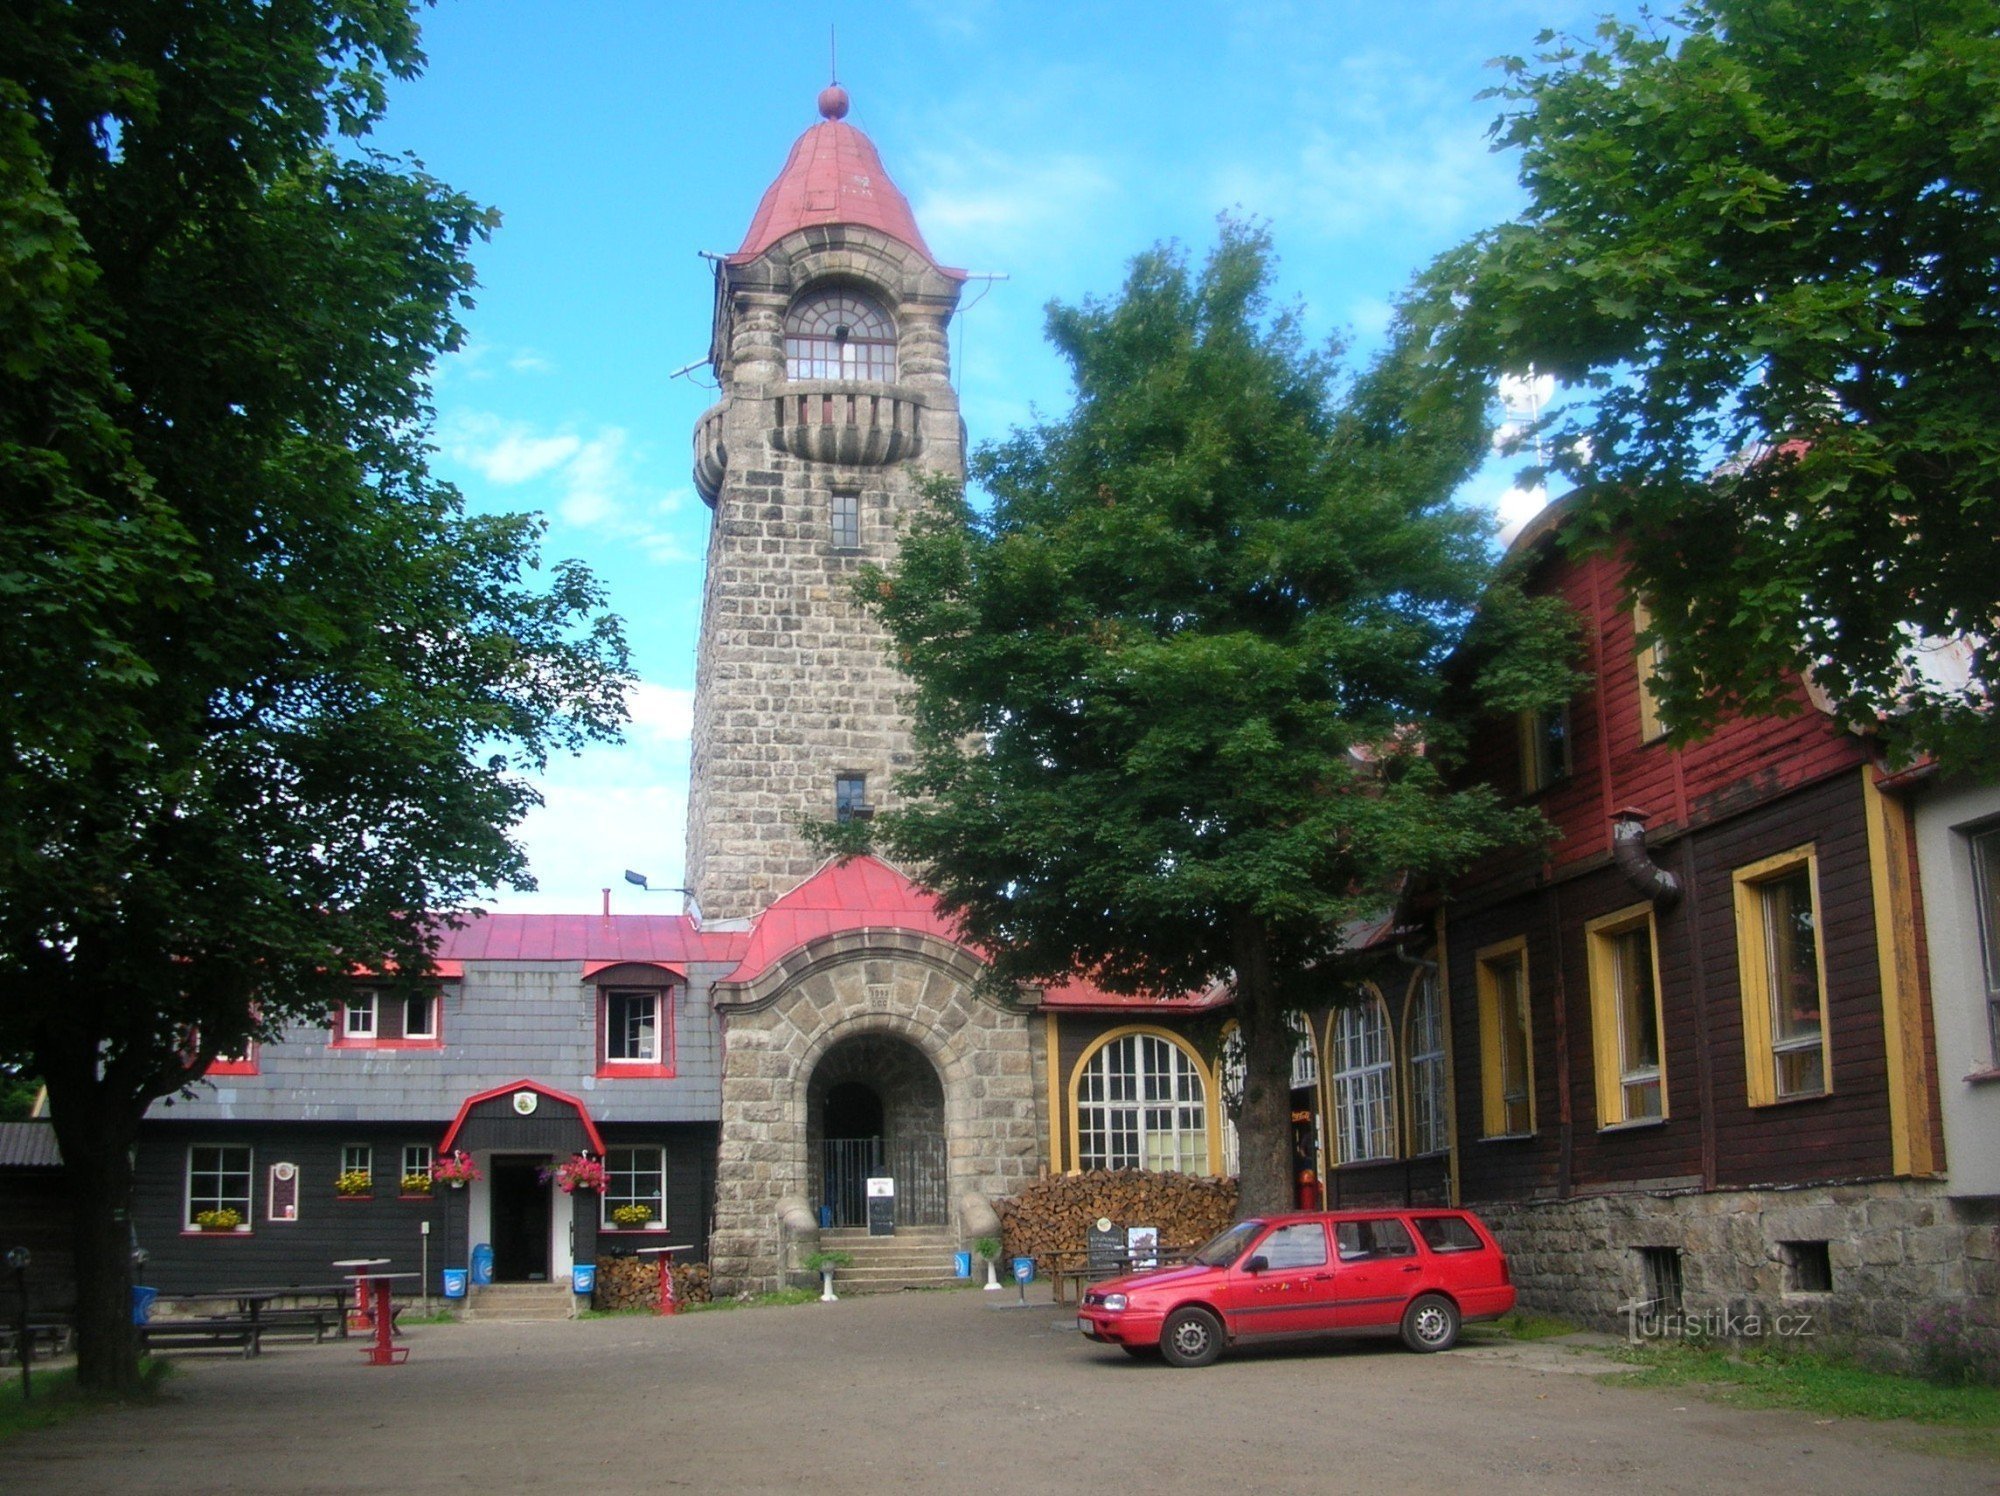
(881, 1207)
(283, 1204)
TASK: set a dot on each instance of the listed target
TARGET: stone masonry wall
(884, 983)
(793, 680)
(1899, 1250)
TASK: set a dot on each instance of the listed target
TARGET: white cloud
(595, 483)
(981, 196)
(663, 713)
(583, 837)
(477, 361)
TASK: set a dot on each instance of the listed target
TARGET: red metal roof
(833, 176)
(667, 939)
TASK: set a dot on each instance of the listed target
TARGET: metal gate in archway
(916, 1164)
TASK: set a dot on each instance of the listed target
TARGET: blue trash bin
(825, 1217)
(142, 1304)
(583, 1278)
(482, 1264)
(454, 1282)
(1024, 1269)
(961, 1264)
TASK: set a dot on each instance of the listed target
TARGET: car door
(1284, 1284)
(1377, 1271)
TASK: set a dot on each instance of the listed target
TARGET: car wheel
(1191, 1337)
(1430, 1323)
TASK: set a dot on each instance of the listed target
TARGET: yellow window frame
(1753, 974)
(1600, 940)
(1646, 660)
(1492, 1061)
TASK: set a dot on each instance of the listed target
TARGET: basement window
(1808, 1267)
(1660, 1280)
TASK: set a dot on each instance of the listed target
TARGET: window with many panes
(1430, 1116)
(1783, 979)
(1506, 1049)
(1142, 1104)
(218, 1178)
(638, 1180)
(844, 519)
(357, 1161)
(838, 333)
(417, 1161)
(1364, 1113)
(1625, 1018)
(1986, 884)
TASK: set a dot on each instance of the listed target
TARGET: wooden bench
(317, 1321)
(1074, 1271)
(46, 1338)
(216, 1332)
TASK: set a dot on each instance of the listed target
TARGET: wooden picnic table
(1079, 1267)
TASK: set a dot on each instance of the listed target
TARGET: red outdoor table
(668, 1304)
(379, 1350)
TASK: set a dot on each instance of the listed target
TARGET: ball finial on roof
(833, 102)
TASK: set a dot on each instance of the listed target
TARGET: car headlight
(1115, 1302)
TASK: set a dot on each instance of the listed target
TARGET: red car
(1417, 1272)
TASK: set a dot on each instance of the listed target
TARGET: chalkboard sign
(1104, 1251)
(881, 1207)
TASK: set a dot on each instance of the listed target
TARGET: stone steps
(915, 1257)
(517, 1302)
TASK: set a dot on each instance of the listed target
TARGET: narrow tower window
(850, 798)
(839, 334)
(845, 515)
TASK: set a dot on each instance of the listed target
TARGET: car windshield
(1226, 1248)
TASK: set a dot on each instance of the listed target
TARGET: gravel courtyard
(937, 1392)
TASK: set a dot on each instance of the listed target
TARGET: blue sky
(1047, 142)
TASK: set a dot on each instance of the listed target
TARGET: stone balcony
(829, 421)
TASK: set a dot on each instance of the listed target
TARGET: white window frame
(418, 1158)
(191, 1203)
(425, 1004)
(626, 1033)
(621, 1191)
(1430, 1077)
(1984, 845)
(1142, 1103)
(359, 1016)
(358, 1158)
(1362, 1058)
(1619, 1079)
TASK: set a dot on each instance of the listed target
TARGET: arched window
(835, 333)
(1141, 1103)
(1430, 1118)
(1305, 1064)
(1364, 1114)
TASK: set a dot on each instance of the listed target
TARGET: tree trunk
(1264, 1127)
(96, 1133)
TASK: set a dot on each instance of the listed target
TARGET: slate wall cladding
(876, 983)
(503, 1022)
(1899, 1251)
(793, 680)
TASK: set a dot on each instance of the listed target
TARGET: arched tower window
(838, 333)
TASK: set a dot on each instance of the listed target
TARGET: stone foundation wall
(1898, 1250)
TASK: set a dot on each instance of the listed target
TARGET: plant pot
(826, 1293)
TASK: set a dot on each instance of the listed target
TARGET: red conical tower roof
(833, 176)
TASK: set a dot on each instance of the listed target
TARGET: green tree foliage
(1175, 695)
(265, 689)
(1763, 234)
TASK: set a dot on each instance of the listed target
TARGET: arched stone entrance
(875, 1107)
(850, 1021)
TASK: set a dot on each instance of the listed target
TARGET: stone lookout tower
(830, 347)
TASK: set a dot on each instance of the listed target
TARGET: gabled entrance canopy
(525, 1117)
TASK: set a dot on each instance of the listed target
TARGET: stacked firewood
(1055, 1213)
(634, 1283)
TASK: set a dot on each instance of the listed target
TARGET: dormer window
(835, 333)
